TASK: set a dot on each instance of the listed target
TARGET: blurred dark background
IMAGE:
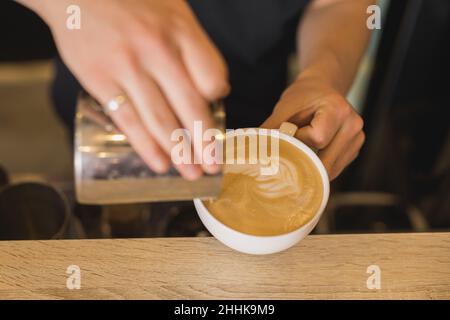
(24, 35)
(406, 111)
(400, 182)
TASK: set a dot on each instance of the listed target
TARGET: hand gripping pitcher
(109, 171)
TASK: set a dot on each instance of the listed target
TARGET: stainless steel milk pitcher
(108, 170)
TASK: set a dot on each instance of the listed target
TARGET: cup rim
(312, 156)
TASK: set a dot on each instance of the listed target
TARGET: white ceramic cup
(267, 244)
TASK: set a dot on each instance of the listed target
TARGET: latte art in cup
(268, 205)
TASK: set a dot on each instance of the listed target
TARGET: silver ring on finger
(115, 103)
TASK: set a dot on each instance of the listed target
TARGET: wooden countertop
(413, 266)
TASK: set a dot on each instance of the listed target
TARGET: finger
(128, 121)
(188, 104)
(275, 120)
(322, 128)
(157, 116)
(103, 90)
(350, 154)
(203, 60)
(346, 137)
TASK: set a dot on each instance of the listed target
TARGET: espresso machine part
(109, 171)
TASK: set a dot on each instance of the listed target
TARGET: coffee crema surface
(269, 205)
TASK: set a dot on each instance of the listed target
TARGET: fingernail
(192, 173)
(161, 166)
(213, 169)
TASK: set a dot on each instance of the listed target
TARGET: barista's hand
(154, 52)
(326, 122)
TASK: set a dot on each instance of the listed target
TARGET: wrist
(328, 71)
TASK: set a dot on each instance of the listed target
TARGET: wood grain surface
(413, 266)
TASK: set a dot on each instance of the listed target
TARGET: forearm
(332, 38)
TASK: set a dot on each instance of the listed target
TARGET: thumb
(274, 121)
